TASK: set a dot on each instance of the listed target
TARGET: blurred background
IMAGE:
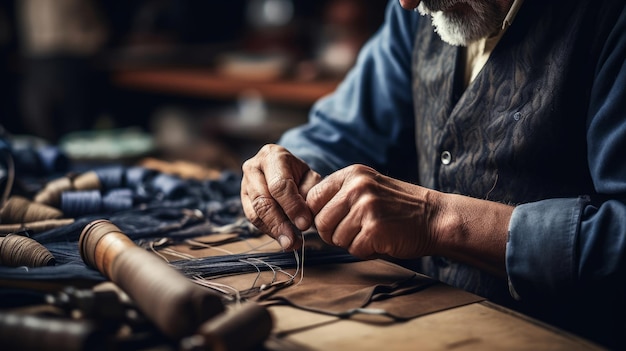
(205, 81)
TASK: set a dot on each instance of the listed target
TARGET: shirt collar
(510, 16)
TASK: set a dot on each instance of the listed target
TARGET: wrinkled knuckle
(323, 226)
(368, 200)
(262, 205)
(359, 170)
(255, 220)
(271, 149)
(249, 165)
(316, 177)
(314, 193)
(337, 242)
(361, 247)
(280, 186)
(282, 157)
(362, 194)
(267, 148)
(364, 183)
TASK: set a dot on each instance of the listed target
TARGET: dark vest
(517, 134)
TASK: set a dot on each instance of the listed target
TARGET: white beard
(459, 29)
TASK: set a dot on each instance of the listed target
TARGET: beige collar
(510, 16)
(477, 53)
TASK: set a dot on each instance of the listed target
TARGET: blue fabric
(161, 206)
(562, 253)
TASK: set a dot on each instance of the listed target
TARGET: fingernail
(284, 242)
(302, 223)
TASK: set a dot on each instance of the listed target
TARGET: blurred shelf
(203, 83)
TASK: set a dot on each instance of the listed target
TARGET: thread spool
(172, 302)
(17, 251)
(51, 193)
(115, 202)
(86, 181)
(78, 203)
(111, 177)
(20, 210)
(224, 332)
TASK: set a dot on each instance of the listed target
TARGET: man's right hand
(273, 192)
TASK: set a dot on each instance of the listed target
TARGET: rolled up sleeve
(536, 263)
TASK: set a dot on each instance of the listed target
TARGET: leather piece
(342, 289)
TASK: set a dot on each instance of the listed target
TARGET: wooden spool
(172, 302)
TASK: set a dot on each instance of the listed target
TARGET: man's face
(460, 22)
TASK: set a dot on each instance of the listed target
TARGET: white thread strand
(301, 261)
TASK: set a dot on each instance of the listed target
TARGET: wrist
(470, 230)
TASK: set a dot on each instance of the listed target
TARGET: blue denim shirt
(562, 252)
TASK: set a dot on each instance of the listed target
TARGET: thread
(17, 250)
(301, 265)
(225, 265)
(118, 200)
(78, 203)
(18, 209)
(86, 181)
(51, 193)
(111, 177)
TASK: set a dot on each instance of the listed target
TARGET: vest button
(446, 157)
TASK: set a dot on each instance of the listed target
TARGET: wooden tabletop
(480, 325)
(477, 326)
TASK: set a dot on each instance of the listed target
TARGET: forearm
(472, 231)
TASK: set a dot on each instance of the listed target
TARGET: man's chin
(460, 26)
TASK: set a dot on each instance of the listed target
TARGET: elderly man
(489, 152)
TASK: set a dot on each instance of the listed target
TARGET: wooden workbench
(479, 325)
(468, 323)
